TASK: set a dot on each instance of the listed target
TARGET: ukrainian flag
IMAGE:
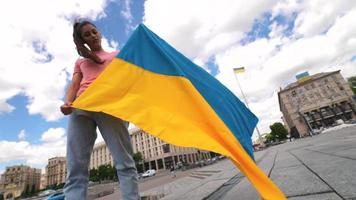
(158, 89)
(239, 70)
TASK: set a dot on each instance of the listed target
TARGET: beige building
(159, 155)
(43, 184)
(100, 156)
(156, 153)
(316, 101)
(17, 179)
(56, 171)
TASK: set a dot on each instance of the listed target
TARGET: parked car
(149, 173)
(139, 175)
(46, 193)
(221, 157)
(56, 196)
(178, 165)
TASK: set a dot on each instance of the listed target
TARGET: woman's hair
(79, 41)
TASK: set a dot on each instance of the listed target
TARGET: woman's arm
(71, 93)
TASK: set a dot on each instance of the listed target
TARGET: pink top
(90, 69)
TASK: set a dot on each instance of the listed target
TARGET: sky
(273, 39)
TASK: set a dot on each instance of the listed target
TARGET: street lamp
(240, 70)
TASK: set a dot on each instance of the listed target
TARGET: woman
(81, 133)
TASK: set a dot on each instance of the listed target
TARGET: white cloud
(39, 51)
(322, 37)
(199, 28)
(53, 135)
(5, 107)
(126, 13)
(22, 135)
(318, 16)
(37, 154)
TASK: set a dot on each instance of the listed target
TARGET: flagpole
(243, 95)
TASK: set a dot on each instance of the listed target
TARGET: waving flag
(239, 70)
(158, 89)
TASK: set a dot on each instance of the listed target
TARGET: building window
(311, 96)
(166, 148)
(335, 77)
(294, 93)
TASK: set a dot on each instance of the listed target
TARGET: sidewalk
(200, 183)
(318, 167)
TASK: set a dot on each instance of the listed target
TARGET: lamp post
(236, 71)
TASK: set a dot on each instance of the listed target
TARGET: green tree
(33, 189)
(112, 172)
(278, 131)
(59, 186)
(26, 192)
(352, 83)
(106, 172)
(103, 172)
(269, 138)
(138, 158)
(94, 175)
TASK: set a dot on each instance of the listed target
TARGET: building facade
(315, 102)
(100, 156)
(156, 153)
(160, 155)
(19, 179)
(43, 184)
(56, 171)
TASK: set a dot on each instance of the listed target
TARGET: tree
(33, 189)
(26, 192)
(278, 131)
(138, 158)
(106, 172)
(94, 175)
(60, 186)
(113, 173)
(352, 83)
(269, 138)
(103, 172)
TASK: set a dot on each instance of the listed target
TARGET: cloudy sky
(273, 39)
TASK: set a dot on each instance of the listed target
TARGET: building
(159, 155)
(316, 101)
(2, 181)
(100, 156)
(20, 179)
(56, 171)
(156, 153)
(43, 184)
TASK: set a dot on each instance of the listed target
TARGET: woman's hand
(86, 53)
(66, 109)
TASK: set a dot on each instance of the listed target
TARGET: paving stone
(298, 180)
(326, 196)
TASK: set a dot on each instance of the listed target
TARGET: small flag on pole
(239, 70)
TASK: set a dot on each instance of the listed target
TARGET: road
(161, 178)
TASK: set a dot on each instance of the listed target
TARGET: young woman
(81, 133)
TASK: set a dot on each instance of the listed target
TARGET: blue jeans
(81, 135)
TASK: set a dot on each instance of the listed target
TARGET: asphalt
(316, 168)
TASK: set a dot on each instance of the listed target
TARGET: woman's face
(91, 37)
